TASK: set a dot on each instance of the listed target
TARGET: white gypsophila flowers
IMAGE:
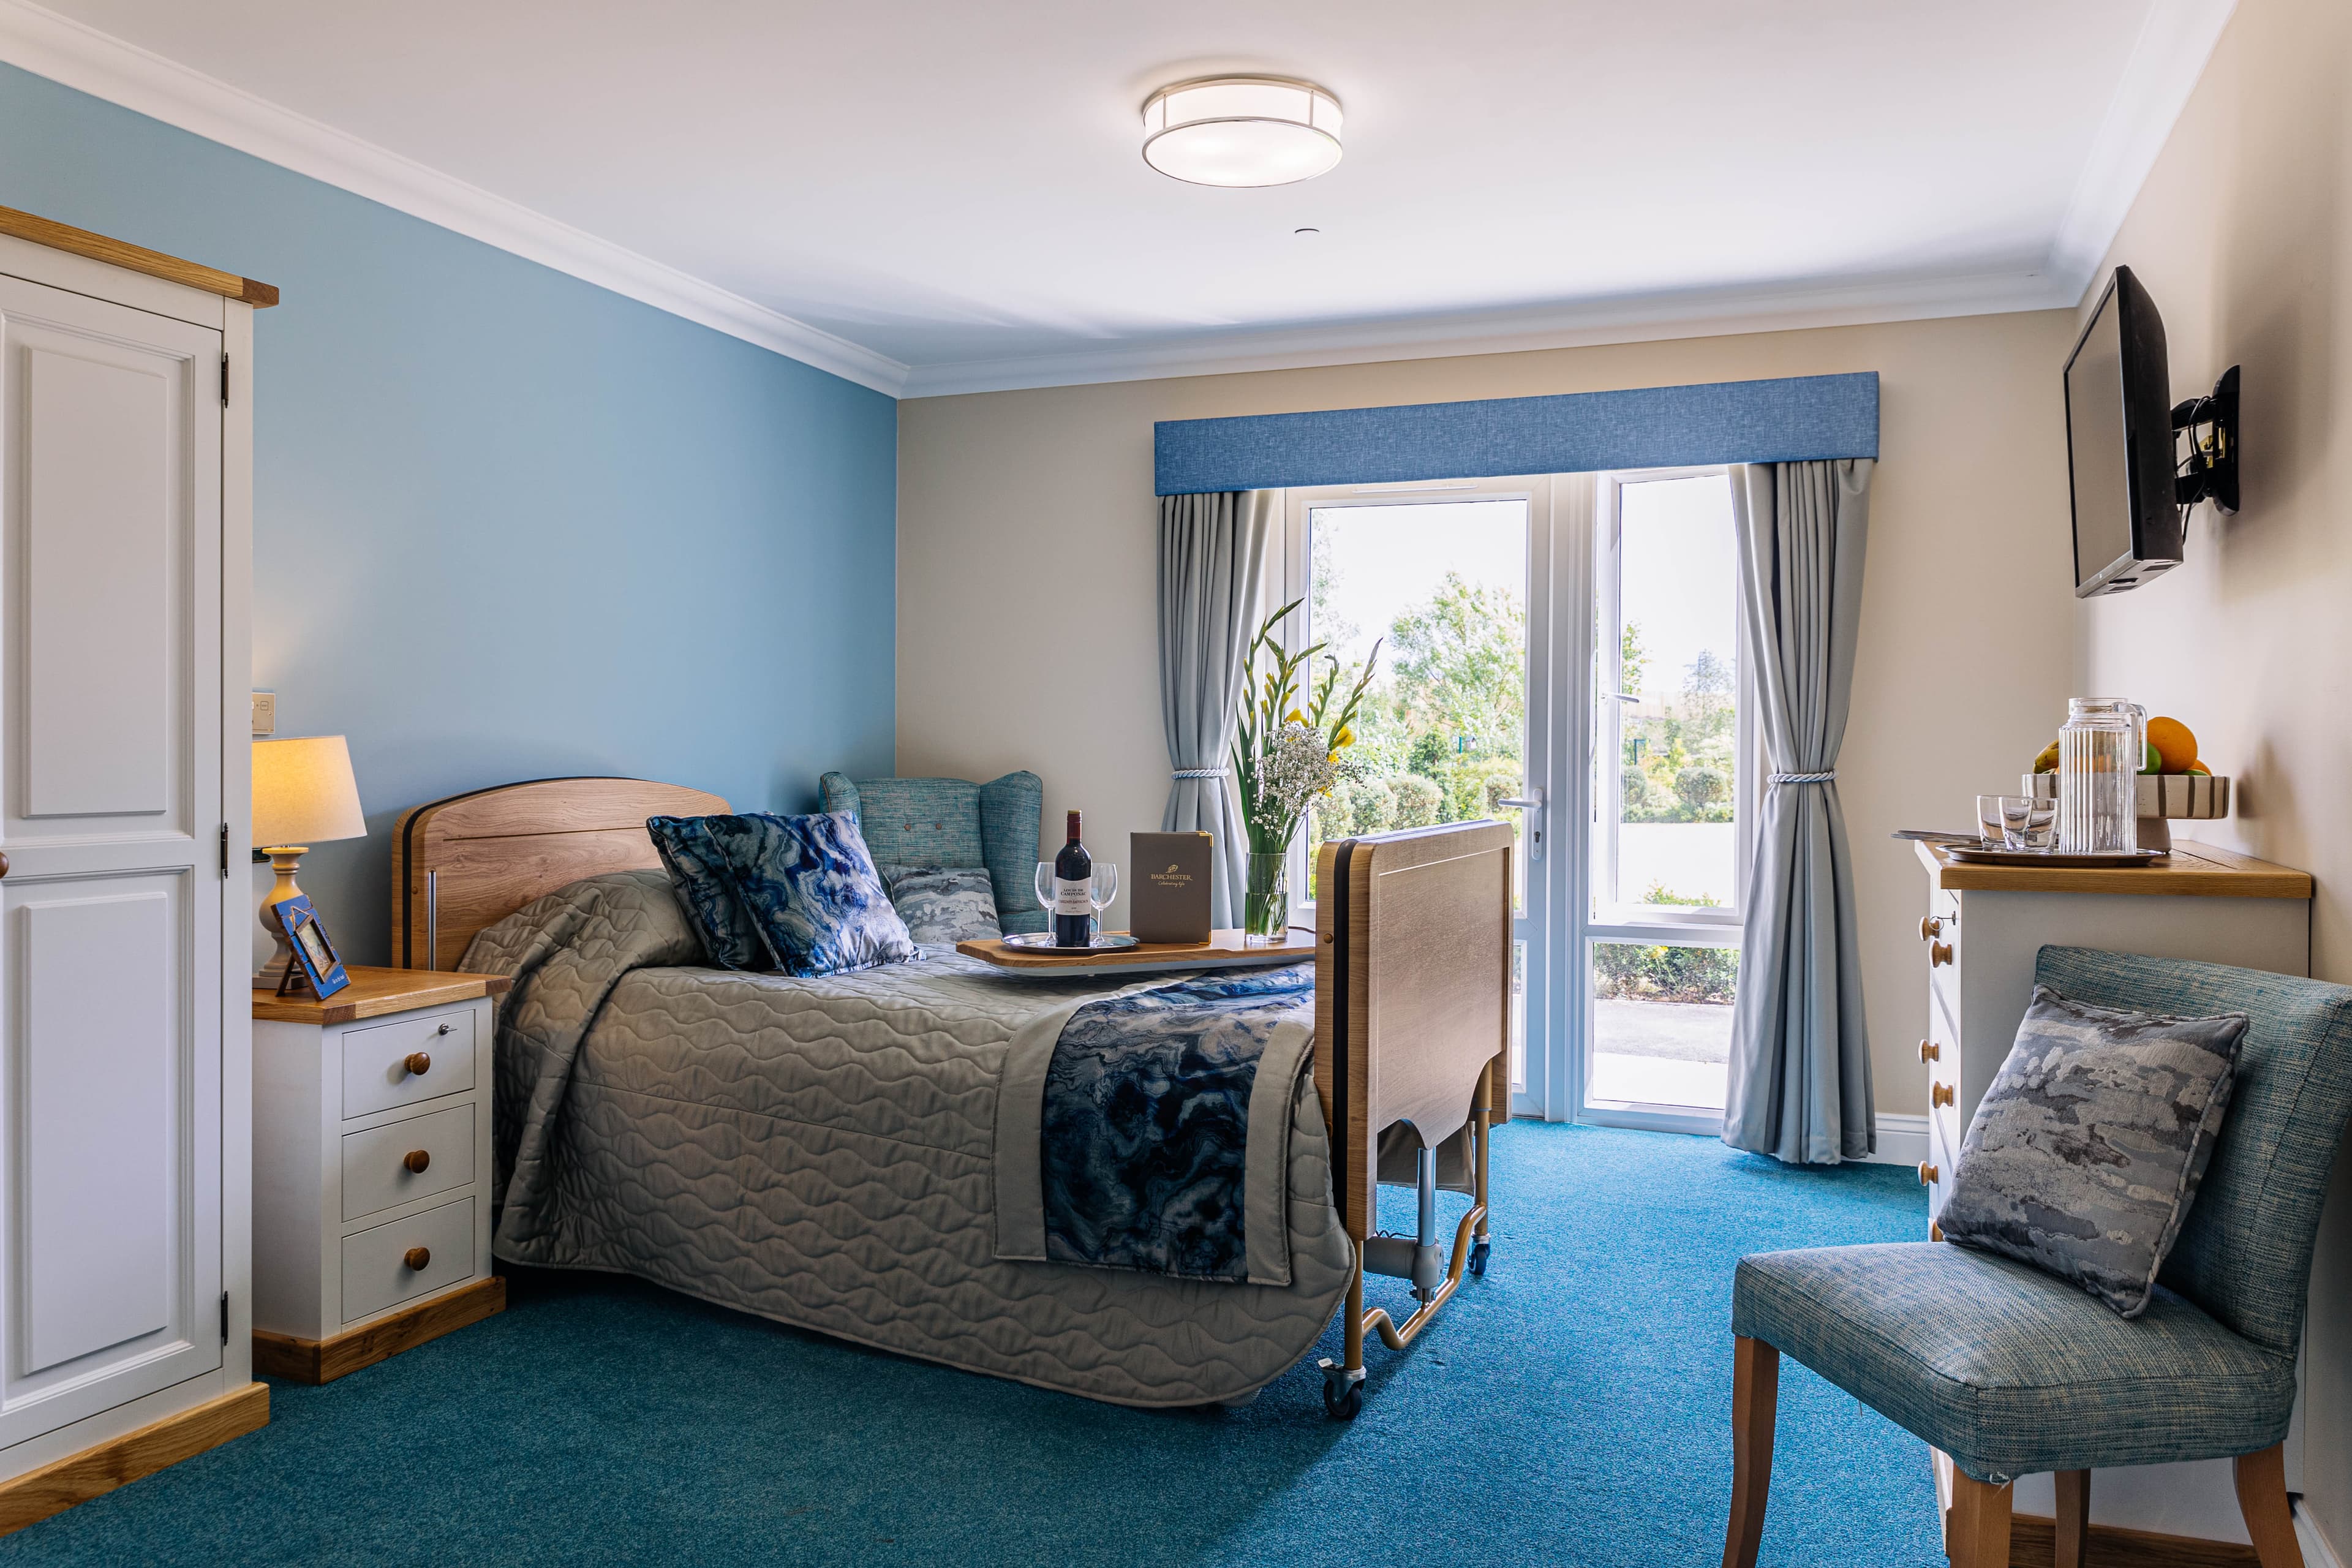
(1299, 770)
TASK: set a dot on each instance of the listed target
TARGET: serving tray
(1973, 854)
(1223, 950)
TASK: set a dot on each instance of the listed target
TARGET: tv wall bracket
(2210, 469)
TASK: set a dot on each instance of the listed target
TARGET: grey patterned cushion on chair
(2085, 1155)
(944, 905)
(2009, 1371)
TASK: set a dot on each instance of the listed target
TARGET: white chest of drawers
(370, 1170)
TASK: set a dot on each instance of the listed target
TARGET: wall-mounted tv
(2120, 447)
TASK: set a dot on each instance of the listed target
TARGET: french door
(1559, 652)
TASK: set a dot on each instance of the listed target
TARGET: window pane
(1667, 838)
(1442, 586)
(1661, 1023)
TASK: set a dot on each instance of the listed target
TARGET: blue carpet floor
(1571, 1407)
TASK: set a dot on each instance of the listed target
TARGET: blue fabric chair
(2011, 1371)
(953, 822)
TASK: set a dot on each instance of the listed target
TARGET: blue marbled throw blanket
(1146, 1117)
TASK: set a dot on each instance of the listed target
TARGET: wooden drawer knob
(1938, 1094)
(1929, 1175)
(1930, 928)
(1939, 952)
(1929, 1051)
(418, 1063)
(416, 1257)
(418, 1159)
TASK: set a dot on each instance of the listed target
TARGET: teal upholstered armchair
(953, 822)
(2011, 1371)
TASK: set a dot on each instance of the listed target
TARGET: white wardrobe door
(110, 813)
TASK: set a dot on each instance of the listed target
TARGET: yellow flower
(1343, 740)
(1293, 717)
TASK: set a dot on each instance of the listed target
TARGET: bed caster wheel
(1478, 1257)
(1343, 1391)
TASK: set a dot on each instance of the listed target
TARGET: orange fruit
(2198, 767)
(2175, 742)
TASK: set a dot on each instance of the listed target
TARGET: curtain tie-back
(1201, 773)
(1829, 777)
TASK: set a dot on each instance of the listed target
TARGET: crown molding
(2174, 42)
(1632, 319)
(80, 57)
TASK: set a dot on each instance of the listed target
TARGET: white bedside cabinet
(370, 1170)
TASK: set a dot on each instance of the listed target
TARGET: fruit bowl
(2179, 798)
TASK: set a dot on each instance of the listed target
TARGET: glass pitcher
(2100, 750)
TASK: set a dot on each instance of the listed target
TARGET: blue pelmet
(1145, 1131)
(1581, 1392)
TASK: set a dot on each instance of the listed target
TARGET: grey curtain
(1211, 548)
(1800, 1071)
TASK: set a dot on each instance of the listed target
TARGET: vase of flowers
(1289, 753)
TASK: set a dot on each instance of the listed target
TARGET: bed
(822, 1152)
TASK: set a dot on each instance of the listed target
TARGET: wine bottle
(1074, 907)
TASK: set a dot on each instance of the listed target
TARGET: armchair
(953, 822)
(2011, 1371)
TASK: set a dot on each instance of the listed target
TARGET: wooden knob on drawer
(1929, 1051)
(4, 865)
(416, 1257)
(1929, 1175)
(1938, 1094)
(418, 1063)
(1930, 928)
(416, 1160)
(1939, 952)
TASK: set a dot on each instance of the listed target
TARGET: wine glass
(1046, 891)
(1102, 889)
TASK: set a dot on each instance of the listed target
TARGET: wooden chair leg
(2262, 1498)
(1755, 1395)
(2074, 1518)
(1979, 1528)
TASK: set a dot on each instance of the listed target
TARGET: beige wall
(2239, 234)
(1027, 571)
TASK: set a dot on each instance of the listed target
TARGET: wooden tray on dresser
(1223, 950)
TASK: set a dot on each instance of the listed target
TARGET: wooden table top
(2192, 871)
(373, 993)
(1223, 950)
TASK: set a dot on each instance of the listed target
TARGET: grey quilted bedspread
(818, 1151)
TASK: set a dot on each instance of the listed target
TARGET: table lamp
(303, 793)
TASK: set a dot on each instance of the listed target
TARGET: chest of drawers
(370, 1170)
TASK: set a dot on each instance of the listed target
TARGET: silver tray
(2055, 860)
(1043, 942)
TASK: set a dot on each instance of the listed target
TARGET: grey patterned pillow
(944, 905)
(2085, 1154)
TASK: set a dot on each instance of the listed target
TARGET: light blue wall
(507, 524)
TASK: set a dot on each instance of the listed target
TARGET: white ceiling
(957, 188)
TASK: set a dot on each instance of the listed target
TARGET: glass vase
(1265, 902)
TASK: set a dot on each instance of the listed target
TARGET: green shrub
(1701, 786)
(1631, 972)
(1418, 800)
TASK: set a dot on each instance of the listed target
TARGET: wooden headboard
(468, 861)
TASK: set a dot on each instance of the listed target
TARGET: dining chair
(2011, 1371)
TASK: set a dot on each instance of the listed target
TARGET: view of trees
(1680, 755)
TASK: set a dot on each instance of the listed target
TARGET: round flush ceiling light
(1241, 130)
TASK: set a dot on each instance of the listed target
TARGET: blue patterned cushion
(813, 892)
(705, 891)
(2084, 1157)
(951, 823)
(2009, 1371)
(944, 905)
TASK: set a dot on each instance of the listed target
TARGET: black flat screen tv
(2120, 447)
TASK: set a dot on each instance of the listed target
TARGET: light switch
(265, 712)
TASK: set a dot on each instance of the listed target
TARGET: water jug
(2100, 749)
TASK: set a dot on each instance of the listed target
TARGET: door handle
(1532, 802)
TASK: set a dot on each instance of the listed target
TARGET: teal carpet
(1571, 1407)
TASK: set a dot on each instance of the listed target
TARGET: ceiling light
(1241, 130)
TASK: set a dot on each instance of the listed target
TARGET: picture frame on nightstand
(316, 964)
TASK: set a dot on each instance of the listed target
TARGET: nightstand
(370, 1170)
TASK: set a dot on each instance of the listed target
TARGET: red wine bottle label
(1073, 898)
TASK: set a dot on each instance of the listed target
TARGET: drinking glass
(1102, 890)
(1046, 891)
(2027, 822)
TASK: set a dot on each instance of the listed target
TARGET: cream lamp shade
(303, 791)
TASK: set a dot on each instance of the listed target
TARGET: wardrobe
(126, 435)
